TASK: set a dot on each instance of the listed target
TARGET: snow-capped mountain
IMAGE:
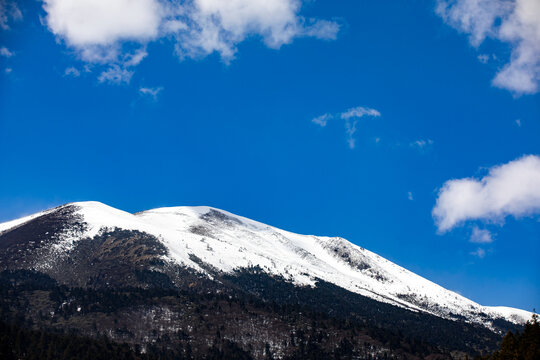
(211, 241)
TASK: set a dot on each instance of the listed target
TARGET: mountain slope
(214, 241)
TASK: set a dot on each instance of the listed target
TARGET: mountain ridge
(227, 242)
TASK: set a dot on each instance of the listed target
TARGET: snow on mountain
(225, 242)
(14, 223)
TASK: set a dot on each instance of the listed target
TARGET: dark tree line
(523, 345)
(18, 343)
(299, 323)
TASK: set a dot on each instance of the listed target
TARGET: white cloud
(322, 120)
(518, 122)
(481, 236)
(8, 70)
(514, 22)
(218, 26)
(135, 58)
(152, 92)
(421, 144)
(5, 52)
(483, 58)
(350, 118)
(321, 29)
(174, 26)
(9, 11)
(350, 130)
(71, 71)
(103, 22)
(359, 112)
(511, 189)
(115, 75)
(98, 29)
(481, 253)
(410, 196)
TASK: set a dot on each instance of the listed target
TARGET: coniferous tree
(520, 346)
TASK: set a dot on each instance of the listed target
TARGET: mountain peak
(203, 238)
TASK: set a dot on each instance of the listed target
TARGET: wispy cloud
(480, 236)
(350, 129)
(480, 253)
(359, 112)
(410, 196)
(518, 122)
(115, 75)
(9, 11)
(511, 189)
(322, 120)
(71, 71)
(483, 58)
(514, 22)
(5, 52)
(350, 118)
(152, 92)
(421, 143)
(134, 58)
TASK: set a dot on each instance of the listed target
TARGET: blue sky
(160, 113)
